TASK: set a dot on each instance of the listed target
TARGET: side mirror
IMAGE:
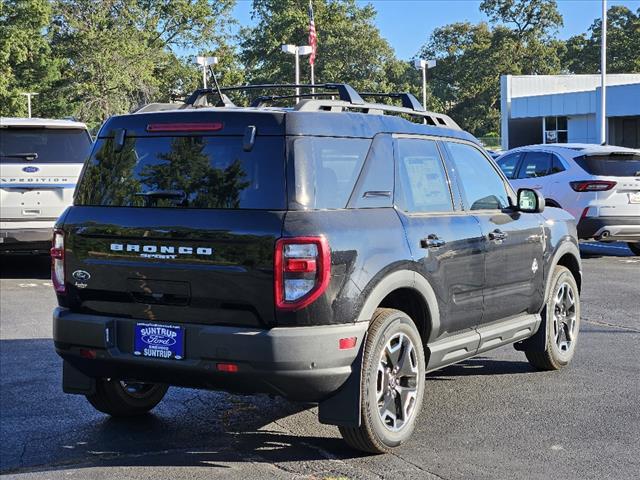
(530, 201)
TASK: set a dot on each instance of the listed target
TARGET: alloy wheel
(397, 382)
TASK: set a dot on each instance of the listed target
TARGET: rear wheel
(634, 247)
(563, 323)
(126, 399)
(392, 386)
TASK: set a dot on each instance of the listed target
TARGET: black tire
(634, 247)
(375, 434)
(562, 337)
(122, 399)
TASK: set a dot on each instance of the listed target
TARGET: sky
(407, 24)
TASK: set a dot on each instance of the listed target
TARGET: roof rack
(407, 99)
(346, 92)
(349, 100)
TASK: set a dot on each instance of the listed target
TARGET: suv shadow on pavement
(42, 430)
(37, 267)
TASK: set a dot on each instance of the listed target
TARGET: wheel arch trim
(398, 280)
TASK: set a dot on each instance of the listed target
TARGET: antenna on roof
(224, 100)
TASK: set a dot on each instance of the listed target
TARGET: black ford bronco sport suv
(332, 252)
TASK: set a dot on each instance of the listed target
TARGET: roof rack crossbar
(346, 92)
(408, 100)
(261, 100)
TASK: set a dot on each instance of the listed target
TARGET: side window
(556, 165)
(535, 164)
(422, 178)
(509, 163)
(483, 188)
(326, 170)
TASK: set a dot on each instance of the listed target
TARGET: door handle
(431, 241)
(497, 235)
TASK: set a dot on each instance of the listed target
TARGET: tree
(623, 44)
(350, 47)
(472, 57)
(120, 54)
(26, 63)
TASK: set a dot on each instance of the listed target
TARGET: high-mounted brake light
(227, 367)
(57, 261)
(302, 271)
(592, 185)
(185, 127)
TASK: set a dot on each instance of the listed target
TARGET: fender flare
(403, 279)
(564, 248)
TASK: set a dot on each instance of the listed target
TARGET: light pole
(297, 51)
(603, 73)
(205, 62)
(28, 95)
(424, 65)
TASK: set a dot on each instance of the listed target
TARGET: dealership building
(566, 109)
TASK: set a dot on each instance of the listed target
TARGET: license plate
(158, 341)
(634, 197)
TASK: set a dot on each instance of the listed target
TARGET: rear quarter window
(185, 172)
(326, 170)
(614, 165)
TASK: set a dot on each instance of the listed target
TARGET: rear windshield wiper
(26, 156)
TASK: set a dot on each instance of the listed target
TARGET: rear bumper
(299, 363)
(25, 239)
(625, 229)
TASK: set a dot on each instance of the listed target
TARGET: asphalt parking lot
(489, 417)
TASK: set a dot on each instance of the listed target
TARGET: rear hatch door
(176, 219)
(39, 168)
(623, 168)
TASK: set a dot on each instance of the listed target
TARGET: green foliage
(530, 18)
(472, 57)
(26, 64)
(350, 48)
(92, 59)
(623, 44)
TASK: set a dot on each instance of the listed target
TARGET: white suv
(40, 161)
(598, 185)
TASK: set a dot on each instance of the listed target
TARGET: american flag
(313, 38)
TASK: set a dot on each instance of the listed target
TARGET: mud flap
(76, 382)
(343, 408)
(538, 341)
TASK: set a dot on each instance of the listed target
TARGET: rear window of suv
(185, 172)
(44, 145)
(614, 165)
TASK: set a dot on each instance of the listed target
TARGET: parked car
(40, 161)
(598, 185)
(493, 154)
(333, 252)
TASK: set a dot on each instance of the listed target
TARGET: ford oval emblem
(81, 275)
(31, 169)
(166, 338)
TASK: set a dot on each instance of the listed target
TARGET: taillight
(57, 261)
(302, 271)
(592, 185)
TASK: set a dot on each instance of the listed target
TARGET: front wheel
(634, 247)
(126, 399)
(563, 323)
(392, 386)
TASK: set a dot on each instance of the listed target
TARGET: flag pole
(603, 73)
(313, 79)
